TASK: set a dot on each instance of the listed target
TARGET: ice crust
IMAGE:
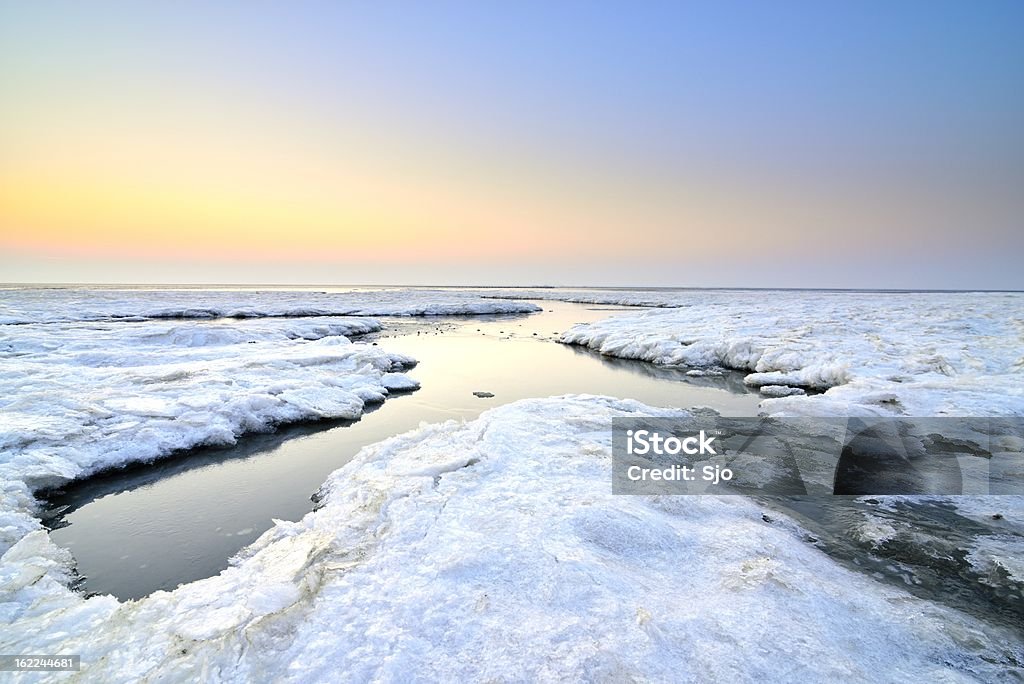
(74, 408)
(494, 550)
(77, 398)
(94, 378)
(47, 305)
(919, 354)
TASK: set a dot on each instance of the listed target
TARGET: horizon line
(630, 288)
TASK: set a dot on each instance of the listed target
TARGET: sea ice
(916, 354)
(77, 397)
(494, 550)
(47, 305)
(653, 298)
(488, 550)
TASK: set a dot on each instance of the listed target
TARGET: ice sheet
(494, 550)
(93, 378)
(919, 354)
(80, 397)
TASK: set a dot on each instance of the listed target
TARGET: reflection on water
(724, 379)
(139, 475)
(154, 527)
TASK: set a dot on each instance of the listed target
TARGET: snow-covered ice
(76, 400)
(77, 396)
(93, 378)
(43, 305)
(780, 391)
(653, 298)
(918, 354)
(494, 550)
(488, 550)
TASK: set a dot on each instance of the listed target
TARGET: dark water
(154, 527)
(925, 549)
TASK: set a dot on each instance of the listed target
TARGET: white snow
(93, 378)
(492, 550)
(80, 397)
(76, 400)
(874, 531)
(996, 557)
(495, 551)
(780, 391)
(919, 354)
(46, 305)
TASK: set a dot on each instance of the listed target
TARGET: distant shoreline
(602, 288)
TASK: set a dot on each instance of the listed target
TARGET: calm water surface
(154, 527)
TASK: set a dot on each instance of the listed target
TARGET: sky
(785, 144)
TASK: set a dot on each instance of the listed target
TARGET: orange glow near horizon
(535, 147)
(193, 181)
(204, 191)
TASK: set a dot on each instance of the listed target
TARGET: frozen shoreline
(448, 543)
(416, 562)
(99, 378)
(917, 354)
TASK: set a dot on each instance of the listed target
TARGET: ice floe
(77, 398)
(494, 550)
(919, 354)
(94, 378)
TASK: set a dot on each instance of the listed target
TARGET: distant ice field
(47, 305)
(871, 353)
